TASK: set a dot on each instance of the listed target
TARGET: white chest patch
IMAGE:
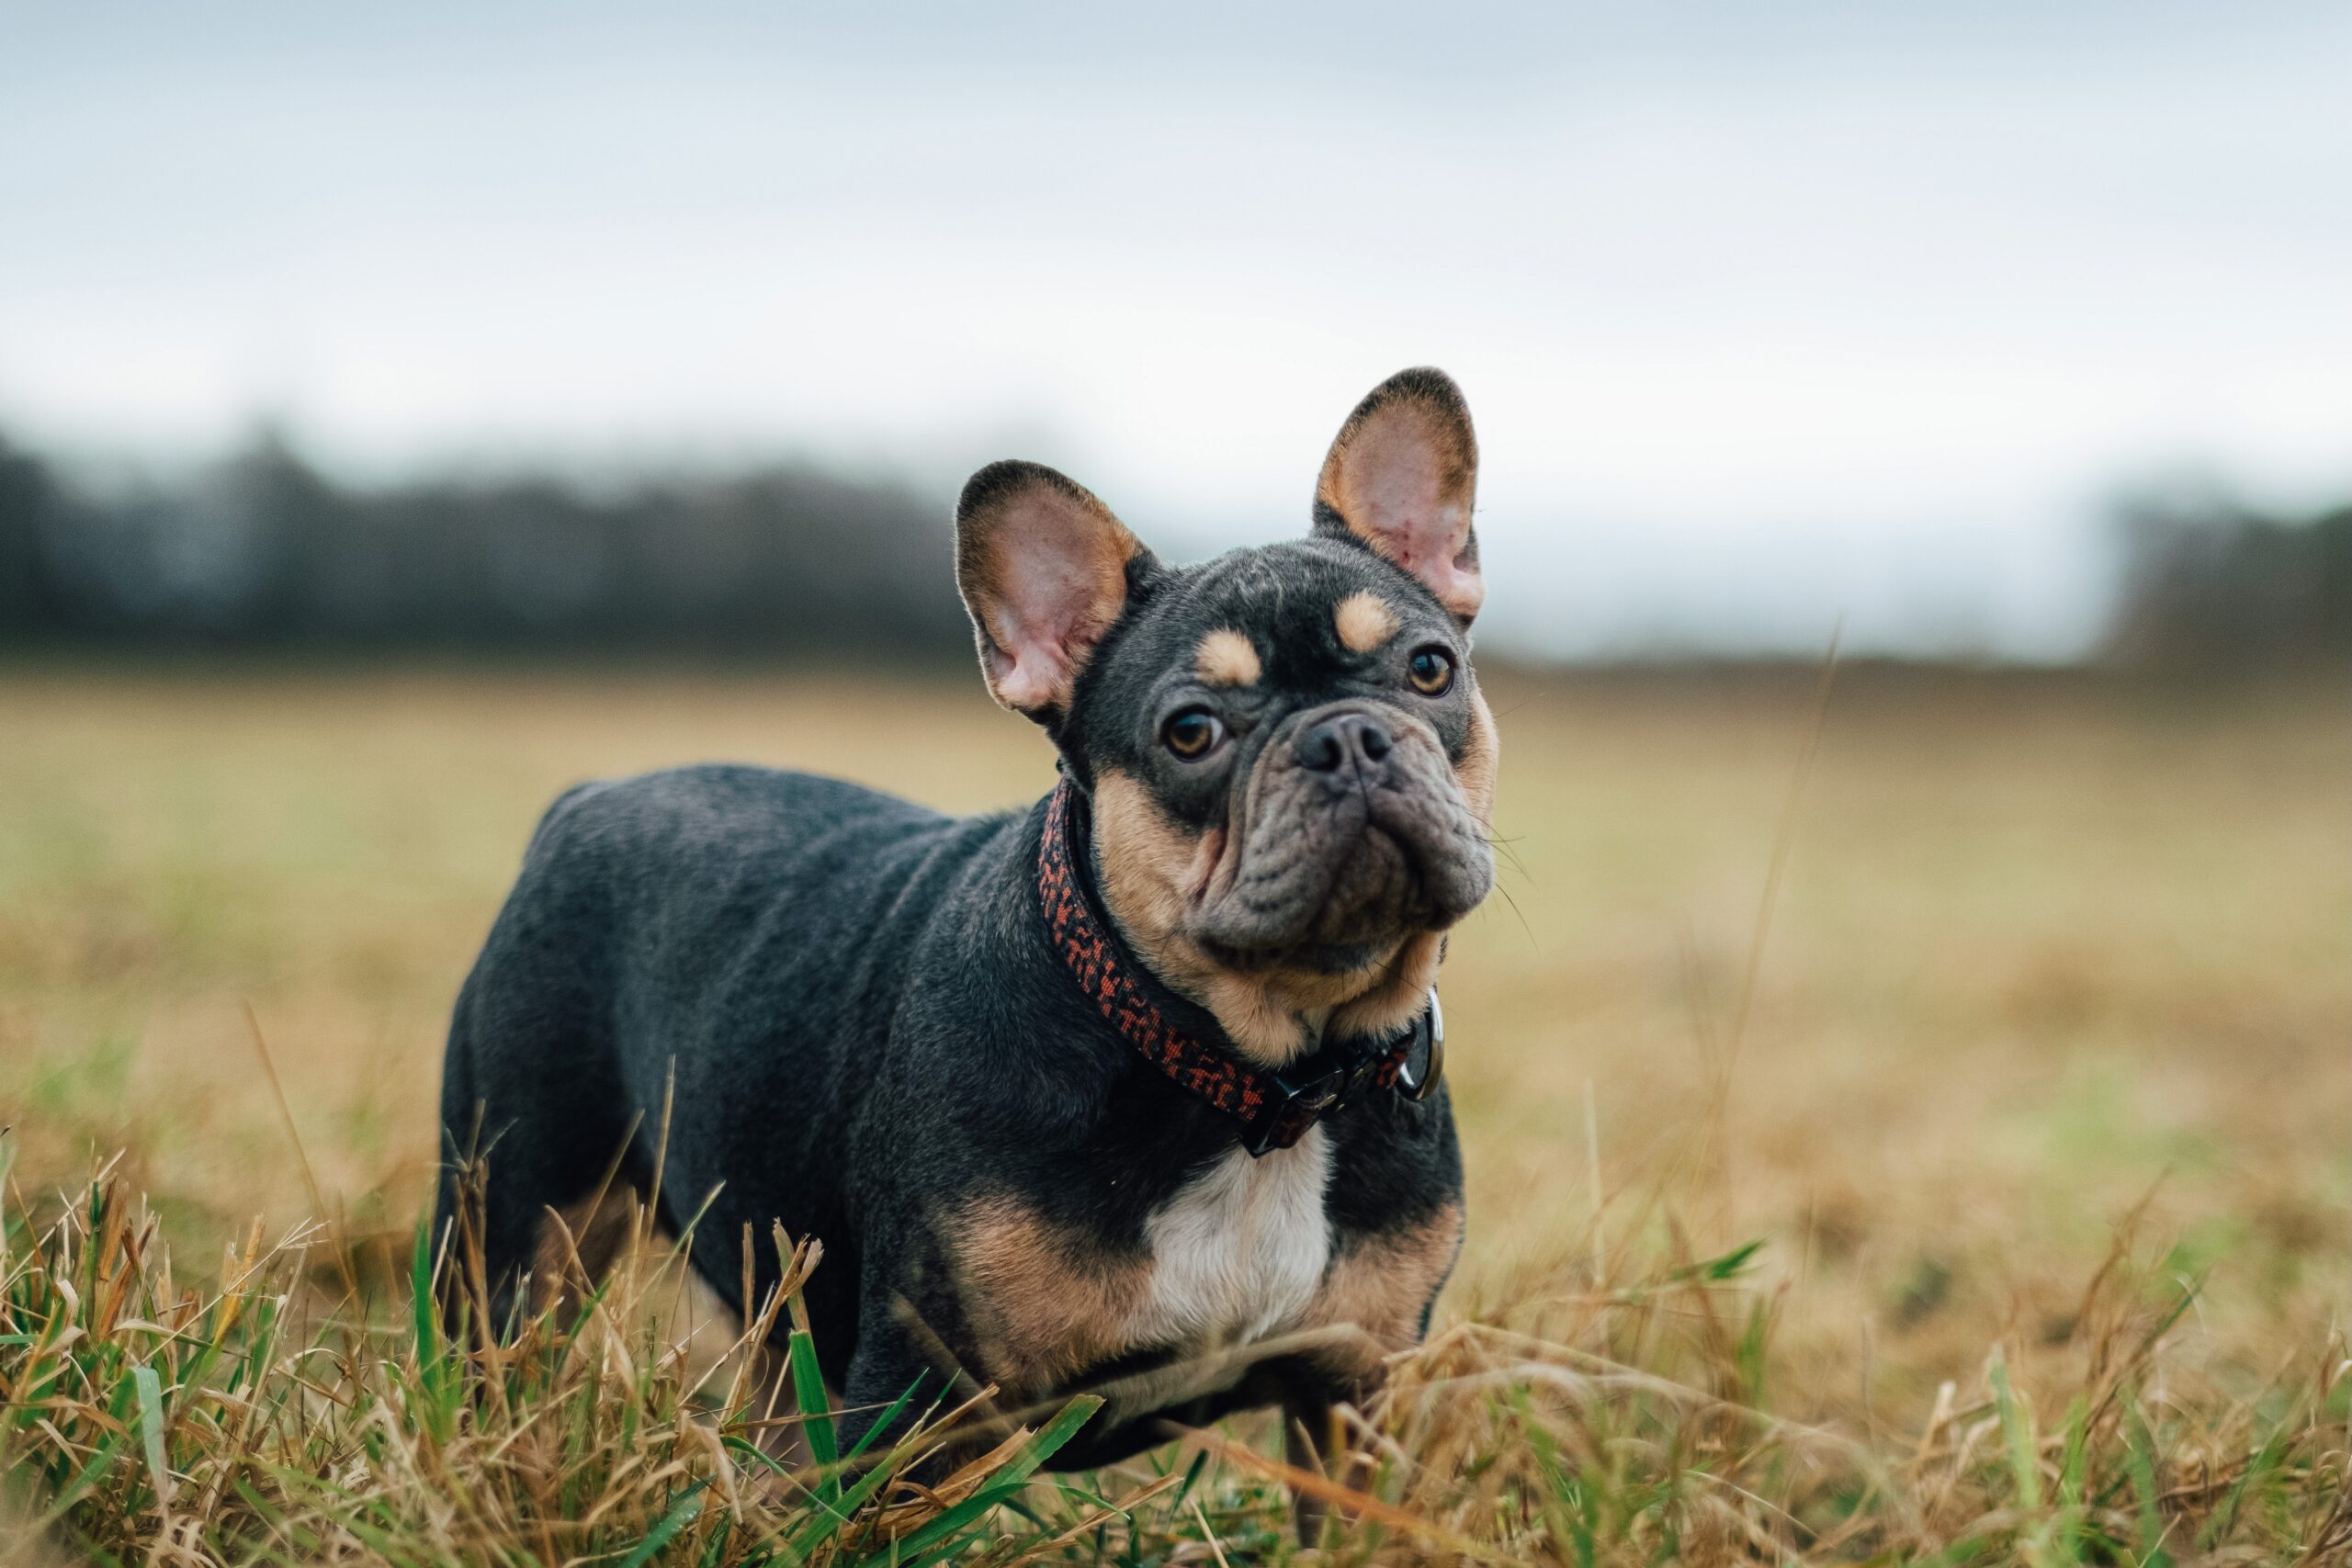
(1238, 1253)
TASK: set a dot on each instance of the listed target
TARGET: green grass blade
(918, 1546)
(432, 1369)
(832, 1514)
(420, 1276)
(945, 1533)
(2017, 1430)
(681, 1514)
(1730, 1264)
(1715, 1270)
(101, 1460)
(882, 1421)
(717, 1549)
(753, 1453)
(1049, 1440)
(1193, 1473)
(150, 1430)
(809, 1393)
(2139, 1458)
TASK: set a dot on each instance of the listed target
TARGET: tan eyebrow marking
(1366, 621)
(1226, 658)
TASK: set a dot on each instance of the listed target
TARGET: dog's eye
(1191, 733)
(1431, 671)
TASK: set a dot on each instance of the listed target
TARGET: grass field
(1949, 1000)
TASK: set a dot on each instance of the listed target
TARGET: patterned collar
(1274, 1108)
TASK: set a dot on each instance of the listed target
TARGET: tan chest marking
(1238, 1254)
(1382, 1284)
(1044, 1301)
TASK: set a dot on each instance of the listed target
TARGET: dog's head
(1290, 768)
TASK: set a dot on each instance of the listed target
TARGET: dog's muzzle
(1352, 834)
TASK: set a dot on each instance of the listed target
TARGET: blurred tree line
(2211, 584)
(263, 551)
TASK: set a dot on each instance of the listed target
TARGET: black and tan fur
(873, 1040)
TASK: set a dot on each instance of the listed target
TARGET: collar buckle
(1297, 1099)
(1424, 1063)
(1304, 1095)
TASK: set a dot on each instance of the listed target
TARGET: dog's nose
(1343, 745)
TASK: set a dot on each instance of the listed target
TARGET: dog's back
(739, 926)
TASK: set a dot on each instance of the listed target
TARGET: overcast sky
(1767, 314)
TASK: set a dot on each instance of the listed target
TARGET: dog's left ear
(1042, 566)
(1402, 477)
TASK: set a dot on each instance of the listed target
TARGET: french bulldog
(1137, 1090)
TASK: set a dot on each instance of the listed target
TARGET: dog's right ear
(1042, 566)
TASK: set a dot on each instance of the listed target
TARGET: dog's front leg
(887, 1366)
(1307, 1440)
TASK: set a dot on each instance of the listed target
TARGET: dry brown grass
(2049, 957)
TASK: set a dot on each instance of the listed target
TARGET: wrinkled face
(1290, 766)
(1291, 762)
